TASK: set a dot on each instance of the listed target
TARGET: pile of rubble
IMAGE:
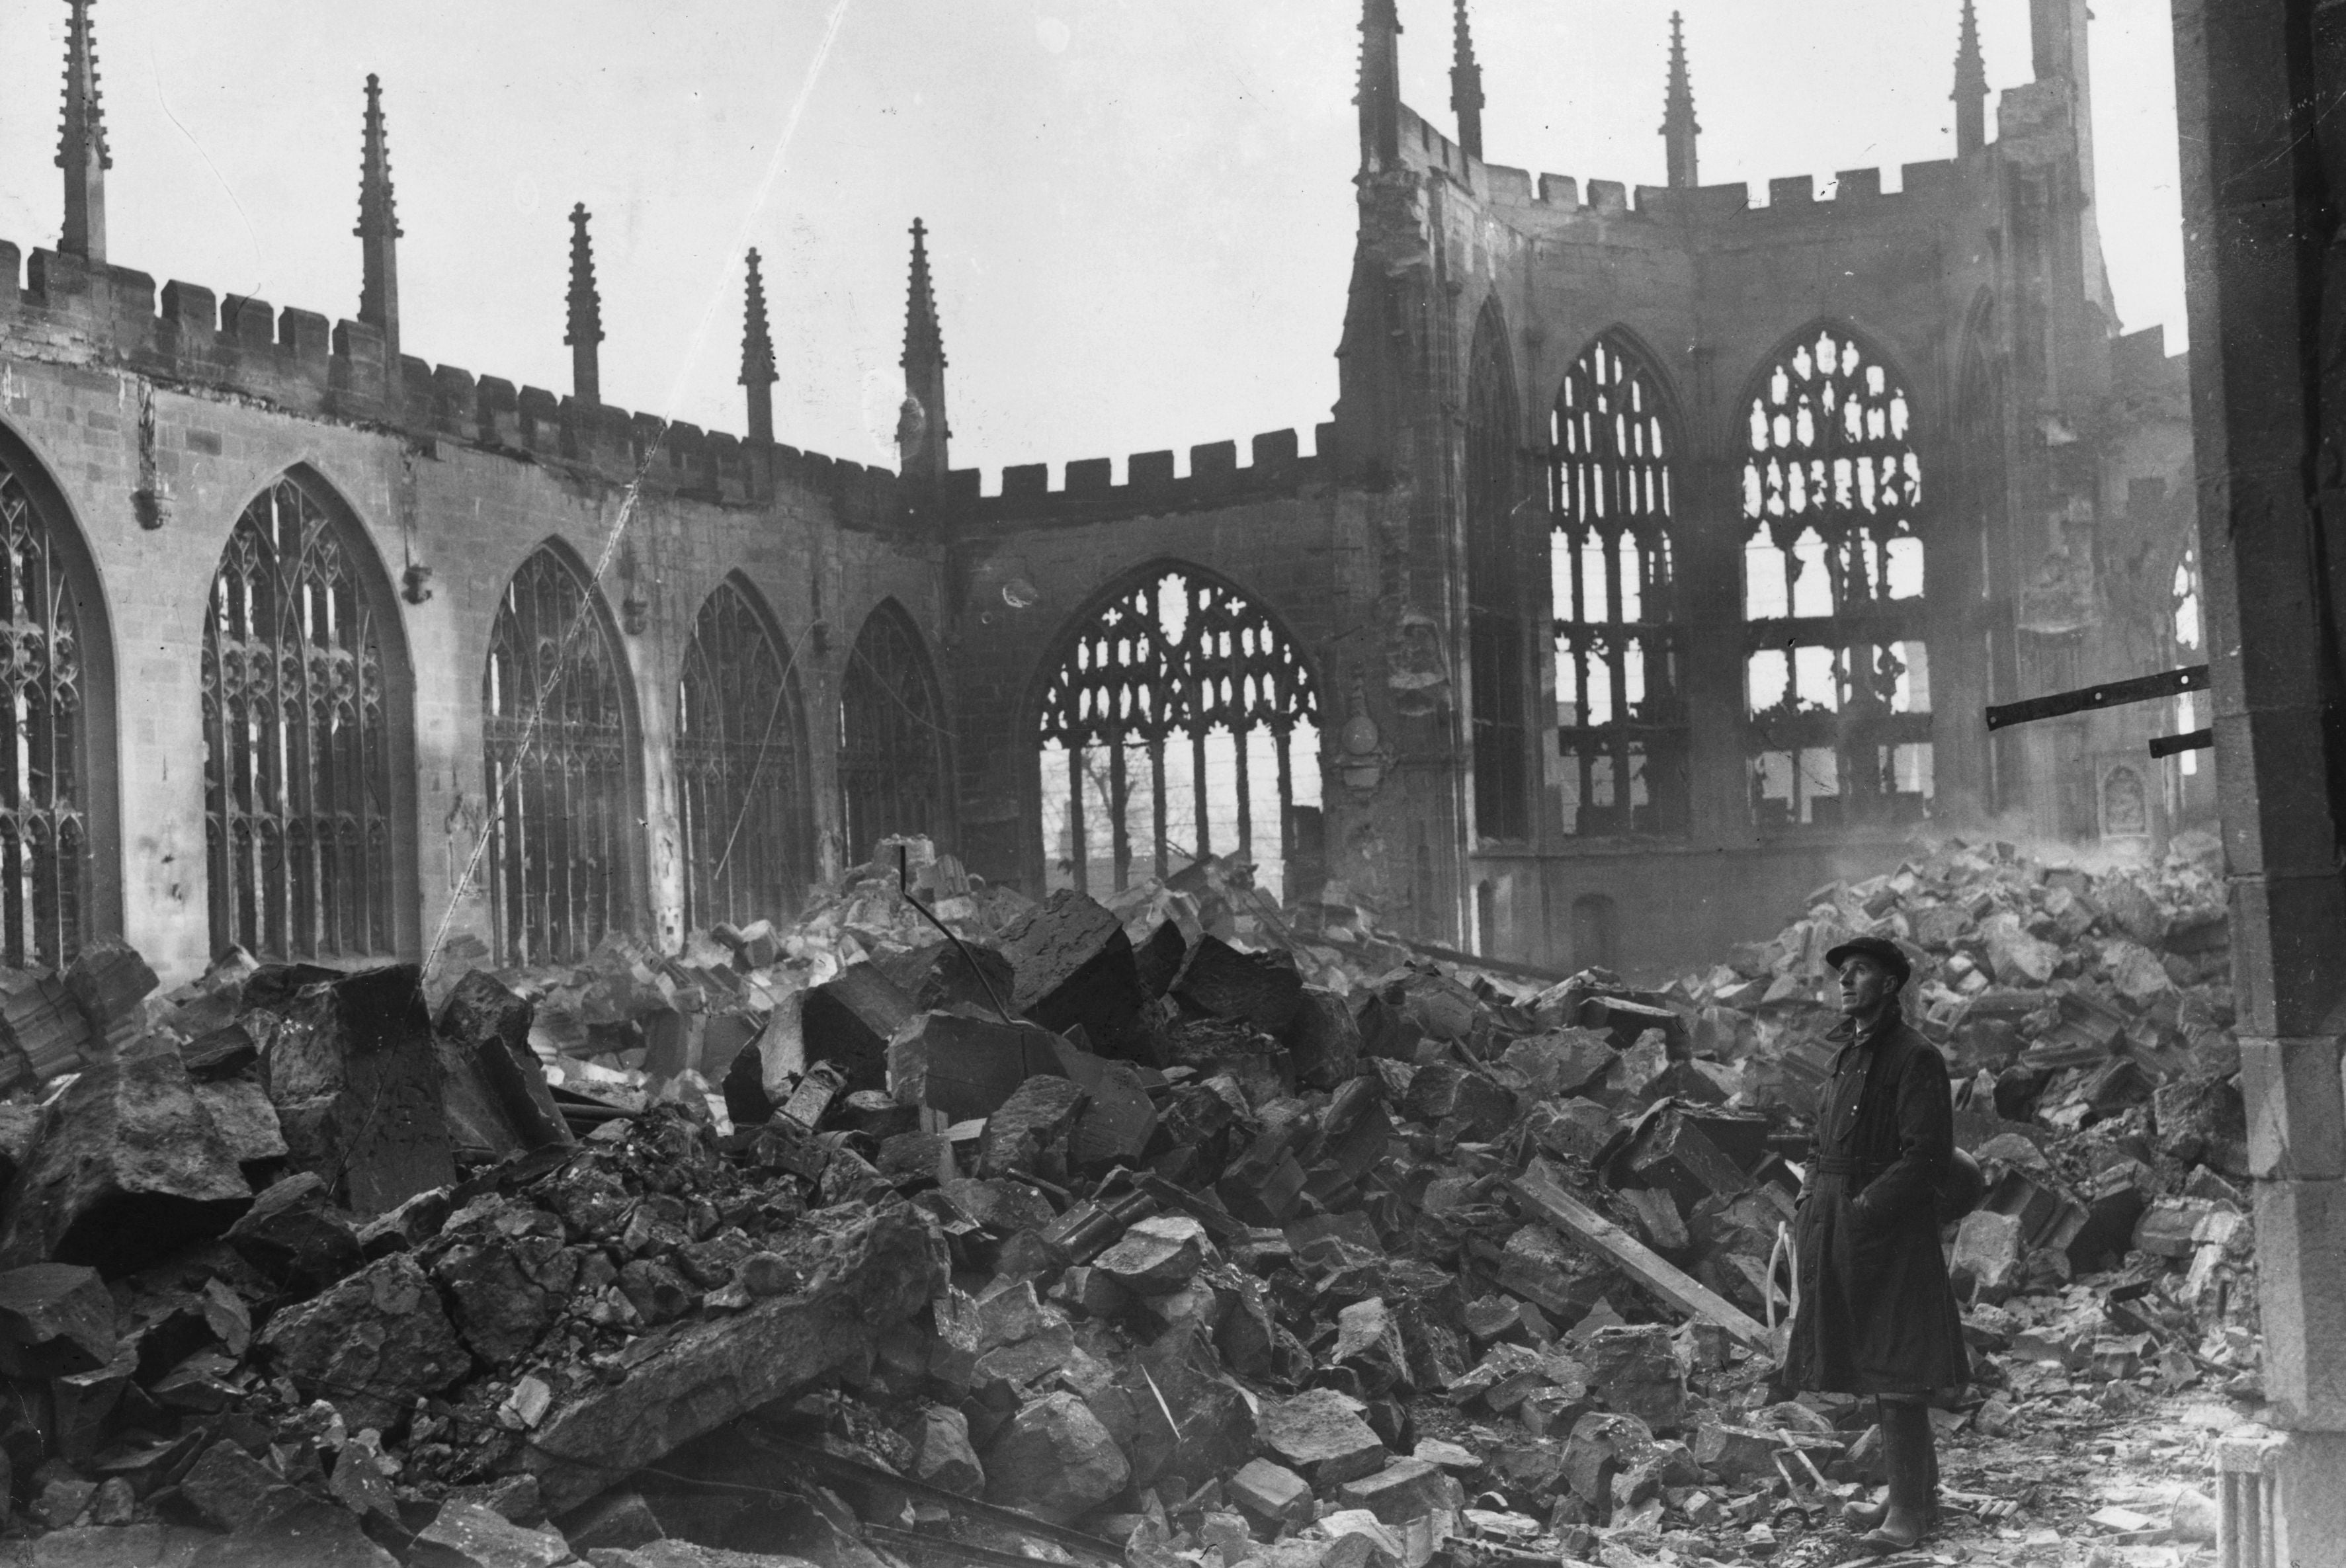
(1180, 1228)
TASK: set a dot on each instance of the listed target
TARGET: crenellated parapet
(1087, 493)
(188, 336)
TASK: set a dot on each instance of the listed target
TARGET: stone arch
(1614, 437)
(744, 803)
(563, 757)
(894, 762)
(309, 735)
(1175, 709)
(60, 825)
(1494, 494)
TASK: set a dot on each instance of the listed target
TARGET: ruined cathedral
(1659, 559)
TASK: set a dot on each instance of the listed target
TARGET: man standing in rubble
(1877, 1315)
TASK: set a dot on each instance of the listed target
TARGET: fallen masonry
(1176, 1226)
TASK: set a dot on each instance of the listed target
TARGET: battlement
(1087, 491)
(291, 360)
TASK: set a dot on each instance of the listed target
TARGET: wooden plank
(1540, 1190)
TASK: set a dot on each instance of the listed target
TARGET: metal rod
(2111, 694)
(2176, 745)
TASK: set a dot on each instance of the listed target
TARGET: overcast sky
(1141, 209)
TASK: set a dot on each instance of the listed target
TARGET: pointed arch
(308, 743)
(1621, 716)
(1499, 657)
(741, 766)
(60, 877)
(893, 761)
(1836, 668)
(560, 743)
(1977, 454)
(1177, 721)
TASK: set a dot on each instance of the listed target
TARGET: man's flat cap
(1879, 949)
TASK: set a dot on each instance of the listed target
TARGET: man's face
(1865, 985)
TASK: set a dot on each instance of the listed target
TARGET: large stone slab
(1056, 1458)
(1074, 965)
(355, 1074)
(1319, 1435)
(371, 1344)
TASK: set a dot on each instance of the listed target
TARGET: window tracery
(1496, 661)
(1836, 671)
(740, 769)
(45, 851)
(297, 746)
(1621, 721)
(1180, 723)
(892, 760)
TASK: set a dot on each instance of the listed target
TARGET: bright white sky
(1141, 210)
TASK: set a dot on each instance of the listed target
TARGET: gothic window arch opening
(740, 768)
(1621, 721)
(559, 739)
(305, 704)
(1837, 674)
(892, 750)
(1497, 661)
(1179, 724)
(56, 740)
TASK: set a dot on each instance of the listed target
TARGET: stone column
(2262, 295)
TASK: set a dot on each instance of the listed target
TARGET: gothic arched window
(305, 700)
(1836, 677)
(558, 740)
(1495, 616)
(60, 711)
(1180, 723)
(1621, 724)
(740, 768)
(892, 752)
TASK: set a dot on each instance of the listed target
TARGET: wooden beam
(1544, 1194)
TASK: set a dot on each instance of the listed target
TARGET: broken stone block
(355, 1074)
(109, 980)
(129, 1167)
(231, 1489)
(619, 1519)
(1031, 1129)
(1658, 1218)
(1987, 1261)
(489, 1022)
(239, 1108)
(1636, 1370)
(1405, 1490)
(1738, 1454)
(500, 1309)
(370, 1344)
(1262, 989)
(468, 1535)
(2203, 1120)
(1561, 1062)
(1074, 965)
(1447, 1091)
(965, 1066)
(1581, 1129)
(1319, 1435)
(849, 1020)
(2170, 1227)
(942, 1454)
(1272, 1494)
(57, 1320)
(310, 1534)
(940, 975)
(1156, 1257)
(1324, 1041)
(2017, 958)
(1056, 1458)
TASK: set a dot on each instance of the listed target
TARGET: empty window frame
(740, 768)
(891, 739)
(558, 739)
(1496, 656)
(1621, 722)
(1180, 723)
(301, 816)
(59, 708)
(1837, 676)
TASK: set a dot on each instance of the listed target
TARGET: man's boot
(1867, 1515)
(1906, 1445)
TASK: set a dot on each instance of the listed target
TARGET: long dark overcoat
(1877, 1315)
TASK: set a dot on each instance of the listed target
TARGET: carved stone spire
(921, 430)
(758, 356)
(584, 333)
(81, 146)
(1678, 127)
(1466, 86)
(1379, 91)
(378, 233)
(1970, 86)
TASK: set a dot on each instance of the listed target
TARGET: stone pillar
(2262, 295)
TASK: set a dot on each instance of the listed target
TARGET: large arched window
(892, 750)
(1495, 616)
(305, 703)
(1621, 723)
(1838, 679)
(558, 741)
(740, 768)
(1179, 723)
(56, 743)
